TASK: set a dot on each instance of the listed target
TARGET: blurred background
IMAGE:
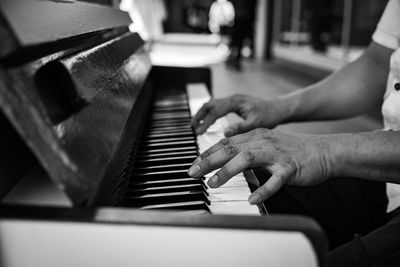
(320, 34)
(260, 47)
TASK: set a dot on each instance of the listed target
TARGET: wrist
(334, 155)
(288, 107)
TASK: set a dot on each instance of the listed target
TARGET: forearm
(370, 155)
(356, 89)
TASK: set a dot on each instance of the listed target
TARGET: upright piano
(95, 147)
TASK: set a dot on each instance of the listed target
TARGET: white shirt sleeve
(387, 32)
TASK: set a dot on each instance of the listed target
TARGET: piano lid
(71, 105)
(28, 23)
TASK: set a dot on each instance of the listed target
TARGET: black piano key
(163, 135)
(172, 105)
(167, 182)
(167, 131)
(171, 116)
(164, 198)
(165, 189)
(160, 99)
(170, 119)
(170, 127)
(183, 110)
(164, 120)
(170, 102)
(162, 167)
(170, 139)
(167, 160)
(165, 150)
(163, 175)
(170, 144)
(171, 112)
(182, 125)
(190, 207)
(170, 109)
(167, 99)
(168, 154)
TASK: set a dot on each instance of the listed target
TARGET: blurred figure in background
(221, 17)
(243, 28)
(319, 23)
(148, 17)
(197, 15)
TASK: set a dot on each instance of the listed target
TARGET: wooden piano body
(75, 92)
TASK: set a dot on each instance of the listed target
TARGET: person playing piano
(351, 210)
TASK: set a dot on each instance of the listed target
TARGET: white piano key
(229, 190)
(229, 194)
(232, 197)
(234, 183)
(228, 197)
(233, 207)
(236, 177)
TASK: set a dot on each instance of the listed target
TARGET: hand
(255, 112)
(291, 159)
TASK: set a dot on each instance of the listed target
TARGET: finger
(238, 128)
(215, 109)
(200, 115)
(214, 161)
(224, 142)
(240, 142)
(274, 183)
(240, 162)
(207, 122)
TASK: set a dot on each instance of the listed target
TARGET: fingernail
(213, 181)
(254, 199)
(194, 170)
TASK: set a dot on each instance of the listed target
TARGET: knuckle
(234, 127)
(247, 156)
(230, 151)
(266, 191)
(206, 163)
(223, 173)
(212, 112)
(237, 127)
(207, 105)
(236, 98)
(257, 122)
(225, 142)
(204, 155)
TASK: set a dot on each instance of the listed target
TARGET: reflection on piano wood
(96, 144)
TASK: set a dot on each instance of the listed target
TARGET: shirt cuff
(386, 39)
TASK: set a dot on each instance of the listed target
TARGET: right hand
(256, 113)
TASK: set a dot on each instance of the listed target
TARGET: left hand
(295, 159)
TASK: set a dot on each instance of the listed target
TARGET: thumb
(238, 128)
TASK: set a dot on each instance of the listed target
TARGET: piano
(96, 143)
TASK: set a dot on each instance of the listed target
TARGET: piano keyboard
(168, 148)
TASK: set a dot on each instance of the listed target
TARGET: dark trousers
(241, 30)
(353, 214)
